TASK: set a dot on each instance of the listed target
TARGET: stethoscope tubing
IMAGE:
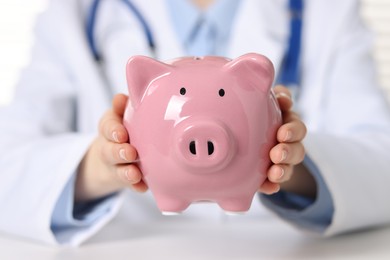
(289, 73)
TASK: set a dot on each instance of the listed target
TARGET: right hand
(108, 165)
(287, 155)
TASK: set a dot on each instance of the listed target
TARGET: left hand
(289, 151)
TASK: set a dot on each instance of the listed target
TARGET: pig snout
(204, 145)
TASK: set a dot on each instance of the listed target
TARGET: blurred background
(17, 20)
(16, 23)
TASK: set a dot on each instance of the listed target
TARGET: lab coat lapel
(315, 57)
(167, 43)
(94, 96)
(265, 33)
(260, 26)
(125, 43)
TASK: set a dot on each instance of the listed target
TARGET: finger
(293, 131)
(113, 153)
(279, 173)
(140, 186)
(112, 129)
(287, 153)
(119, 103)
(289, 116)
(129, 174)
(283, 97)
(269, 187)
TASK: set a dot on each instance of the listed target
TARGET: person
(65, 156)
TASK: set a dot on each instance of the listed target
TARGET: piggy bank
(203, 128)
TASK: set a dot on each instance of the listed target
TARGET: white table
(175, 238)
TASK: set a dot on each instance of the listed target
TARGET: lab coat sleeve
(350, 139)
(40, 142)
(350, 147)
(314, 214)
(34, 173)
(72, 222)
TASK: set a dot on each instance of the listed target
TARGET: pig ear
(140, 71)
(255, 68)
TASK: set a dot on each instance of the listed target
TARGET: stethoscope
(289, 72)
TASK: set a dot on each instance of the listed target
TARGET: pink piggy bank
(203, 128)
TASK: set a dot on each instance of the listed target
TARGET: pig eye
(183, 91)
(221, 92)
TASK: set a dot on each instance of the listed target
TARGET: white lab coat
(63, 93)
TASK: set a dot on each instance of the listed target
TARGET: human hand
(108, 164)
(289, 152)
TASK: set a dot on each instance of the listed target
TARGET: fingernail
(127, 175)
(282, 94)
(281, 174)
(122, 154)
(284, 156)
(288, 136)
(115, 136)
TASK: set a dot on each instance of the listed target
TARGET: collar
(186, 16)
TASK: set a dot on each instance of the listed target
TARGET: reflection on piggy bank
(203, 128)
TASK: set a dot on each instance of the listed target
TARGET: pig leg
(171, 206)
(238, 205)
